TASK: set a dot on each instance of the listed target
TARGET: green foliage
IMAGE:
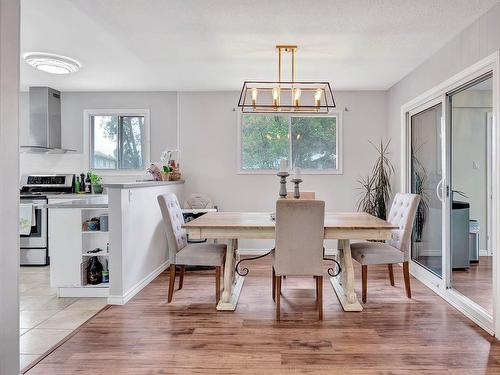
(131, 129)
(94, 178)
(419, 186)
(376, 188)
(314, 142)
(265, 140)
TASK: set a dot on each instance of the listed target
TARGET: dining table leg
(232, 281)
(343, 284)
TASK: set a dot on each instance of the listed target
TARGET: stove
(35, 191)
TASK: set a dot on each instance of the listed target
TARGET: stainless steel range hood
(45, 121)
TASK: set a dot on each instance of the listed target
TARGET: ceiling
(185, 45)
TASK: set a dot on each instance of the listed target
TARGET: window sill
(303, 172)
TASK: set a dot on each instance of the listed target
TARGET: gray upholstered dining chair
(300, 228)
(183, 254)
(395, 250)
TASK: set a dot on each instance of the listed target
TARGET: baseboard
(484, 253)
(122, 300)
(257, 252)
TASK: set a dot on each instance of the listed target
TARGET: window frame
(339, 144)
(89, 146)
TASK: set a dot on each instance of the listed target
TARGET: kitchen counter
(140, 184)
(74, 196)
(79, 201)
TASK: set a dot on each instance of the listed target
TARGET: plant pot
(164, 176)
(96, 189)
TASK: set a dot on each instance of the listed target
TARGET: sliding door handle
(439, 189)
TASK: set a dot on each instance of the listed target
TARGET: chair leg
(317, 296)
(217, 284)
(181, 277)
(319, 292)
(274, 285)
(171, 283)
(406, 274)
(391, 274)
(364, 282)
(278, 295)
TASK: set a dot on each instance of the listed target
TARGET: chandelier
(286, 96)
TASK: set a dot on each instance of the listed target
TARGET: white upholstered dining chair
(183, 254)
(395, 250)
(300, 228)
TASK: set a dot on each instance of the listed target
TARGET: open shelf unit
(92, 240)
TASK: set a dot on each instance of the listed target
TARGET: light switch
(475, 165)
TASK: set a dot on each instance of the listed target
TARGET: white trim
(339, 146)
(121, 112)
(127, 296)
(470, 309)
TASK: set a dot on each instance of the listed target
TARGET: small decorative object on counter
(87, 184)
(77, 185)
(155, 172)
(172, 169)
(82, 183)
(296, 180)
(283, 174)
(94, 272)
(95, 182)
(91, 225)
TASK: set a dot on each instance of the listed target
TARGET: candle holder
(283, 176)
(296, 192)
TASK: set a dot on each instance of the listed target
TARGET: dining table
(341, 226)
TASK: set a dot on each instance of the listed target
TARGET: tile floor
(46, 319)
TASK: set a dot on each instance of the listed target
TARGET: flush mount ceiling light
(286, 96)
(52, 63)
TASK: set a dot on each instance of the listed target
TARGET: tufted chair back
(173, 219)
(300, 230)
(402, 213)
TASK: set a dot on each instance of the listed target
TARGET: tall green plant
(376, 188)
(420, 186)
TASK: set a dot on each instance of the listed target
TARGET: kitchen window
(118, 141)
(310, 142)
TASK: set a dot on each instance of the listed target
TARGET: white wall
(208, 124)
(163, 124)
(9, 195)
(474, 43)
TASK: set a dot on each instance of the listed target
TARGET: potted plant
(420, 183)
(95, 183)
(376, 188)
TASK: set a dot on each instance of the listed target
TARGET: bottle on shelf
(94, 273)
(105, 272)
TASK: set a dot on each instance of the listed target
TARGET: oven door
(38, 236)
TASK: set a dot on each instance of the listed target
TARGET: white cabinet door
(65, 247)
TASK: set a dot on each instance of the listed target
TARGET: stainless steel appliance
(36, 189)
(45, 121)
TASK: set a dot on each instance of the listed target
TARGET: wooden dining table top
(333, 220)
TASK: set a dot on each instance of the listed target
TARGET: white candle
(283, 164)
(297, 174)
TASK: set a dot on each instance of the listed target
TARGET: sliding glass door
(426, 175)
(449, 161)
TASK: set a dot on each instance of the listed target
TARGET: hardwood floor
(393, 334)
(476, 282)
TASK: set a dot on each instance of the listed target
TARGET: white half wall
(9, 193)
(138, 244)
